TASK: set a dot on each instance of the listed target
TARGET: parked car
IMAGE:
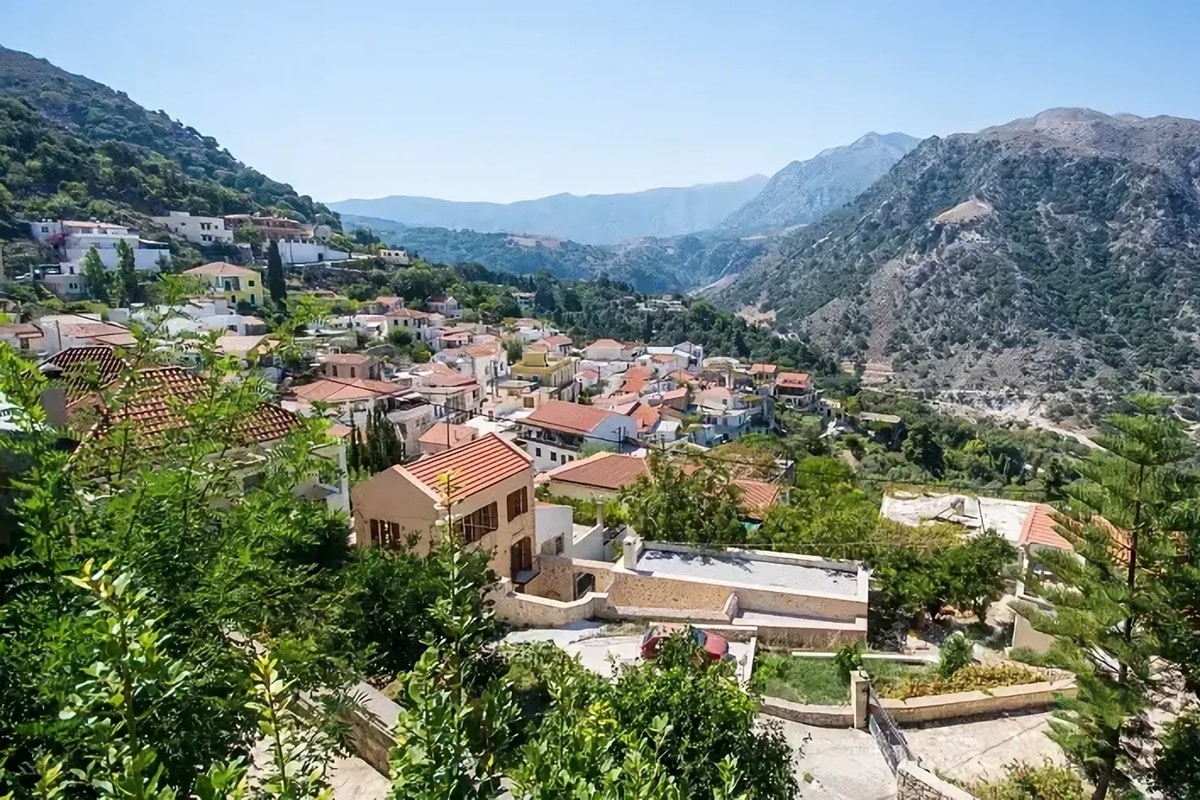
(713, 646)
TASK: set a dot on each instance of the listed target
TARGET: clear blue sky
(512, 99)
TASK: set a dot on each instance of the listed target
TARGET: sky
(506, 100)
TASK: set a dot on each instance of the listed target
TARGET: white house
(73, 238)
(197, 230)
(604, 350)
(394, 257)
(444, 305)
(293, 251)
(556, 432)
(483, 362)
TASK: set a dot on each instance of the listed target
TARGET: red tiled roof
(792, 380)
(602, 471)
(339, 431)
(541, 345)
(86, 369)
(686, 378)
(220, 269)
(560, 415)
(449, 434)
(472, 467)
(154, 409)
(21, 330)
(647, 417)
(757, 497)
(407, 313)
(606, 343)
(764, 369)
(86, 330)
(675, 394)
(324, 390)
(559, 339)
(1039, 528)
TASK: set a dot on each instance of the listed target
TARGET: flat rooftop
(749, 571)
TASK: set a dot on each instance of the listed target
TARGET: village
(526, 441)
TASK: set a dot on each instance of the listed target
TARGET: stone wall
(915, 783)
(529, 611)
(960, 705)
(647, 591)
(782, 601)
(818, 716)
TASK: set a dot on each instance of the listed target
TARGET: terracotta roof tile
(558, 340)
(325, 390)
(82, 370)
(647, 417)
(792, 380)
(764, 369)
(21, 330)
(606, 343)
(348, 359)
(602, 471)
(757, 497)
(449, 434)
(473, 467)
(569, 417)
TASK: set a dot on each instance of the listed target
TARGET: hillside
(650, 265)
(1050, 252)
(805, 191)
(591, 219)
(130, 156)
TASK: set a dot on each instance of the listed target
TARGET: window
(385, 533)
(45, 229)
(539, 452)
(352, 372)
(518, 503)
(558, 545)
(554, 456)
(250, 283)
(481, 522)
(204, 237)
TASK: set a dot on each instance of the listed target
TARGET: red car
(712, 645)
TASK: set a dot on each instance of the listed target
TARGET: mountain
(590, 219)
(672, 264)
(805, 191)
(70, 142)
(1055, 251)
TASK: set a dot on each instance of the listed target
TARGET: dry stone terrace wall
(915, 783)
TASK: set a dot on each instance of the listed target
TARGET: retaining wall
(915, 783)
(1026, 697)
(818, 716)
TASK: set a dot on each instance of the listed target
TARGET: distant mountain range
(1050, 252)
(651, 264)
(590, 219)
(803, 192)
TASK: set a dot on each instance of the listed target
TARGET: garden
(824, 680)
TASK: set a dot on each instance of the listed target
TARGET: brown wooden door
(521, 554)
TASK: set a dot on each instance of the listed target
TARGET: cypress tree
(276, 284)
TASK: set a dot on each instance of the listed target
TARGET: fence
(887, 735)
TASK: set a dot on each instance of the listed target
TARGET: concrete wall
(577, 492)
(915, 783)
(1024, 635)
(1027, 697)
(818, 716)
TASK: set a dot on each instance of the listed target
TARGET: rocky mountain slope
(651, 264)
(591, 219)
(70, 142)
(1055, 251)
(805, 191)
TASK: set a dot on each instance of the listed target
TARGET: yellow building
(554, 373)
(236, 284)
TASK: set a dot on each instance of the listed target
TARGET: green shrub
(957, 652)
(974, 677)
(847, 660)
(1028, 782)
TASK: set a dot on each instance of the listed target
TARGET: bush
(975, 677)
(847, 660)
(1177, 769)
(1026, 782)
(957, 653)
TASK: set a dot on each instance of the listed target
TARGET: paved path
(839, 764)
(981, 749)
(353, 779)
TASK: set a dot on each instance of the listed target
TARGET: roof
(890, 419)
(449, 434)
(674, 394)
(153, 408)
(602, 471)
(348, 359)
(540, 346)
(472, 467)
(558, 339)
(620, 403)
(764, 369)
(792, 380)
(407, 313)
(387, 299)
(1040, 528)
(647, 417)
(85, 369)
(21, 330)
(757, 497)
(220, 269)
(606, 343)
(324, 390)
(718, 395)
(339, 431)
(569, 417)
(588, 373)
(87, 330)
(242, 345)
(686, 378)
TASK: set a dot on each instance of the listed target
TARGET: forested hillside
(651, 265)
(69, 141)
(1053, 251)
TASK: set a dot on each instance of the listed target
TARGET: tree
(96, 280)
(126, 284)
(276, 283)
(400, 337)
(1121, 522)
(515, 349)
(921, 448)
(699, 505)
(1177, 767)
